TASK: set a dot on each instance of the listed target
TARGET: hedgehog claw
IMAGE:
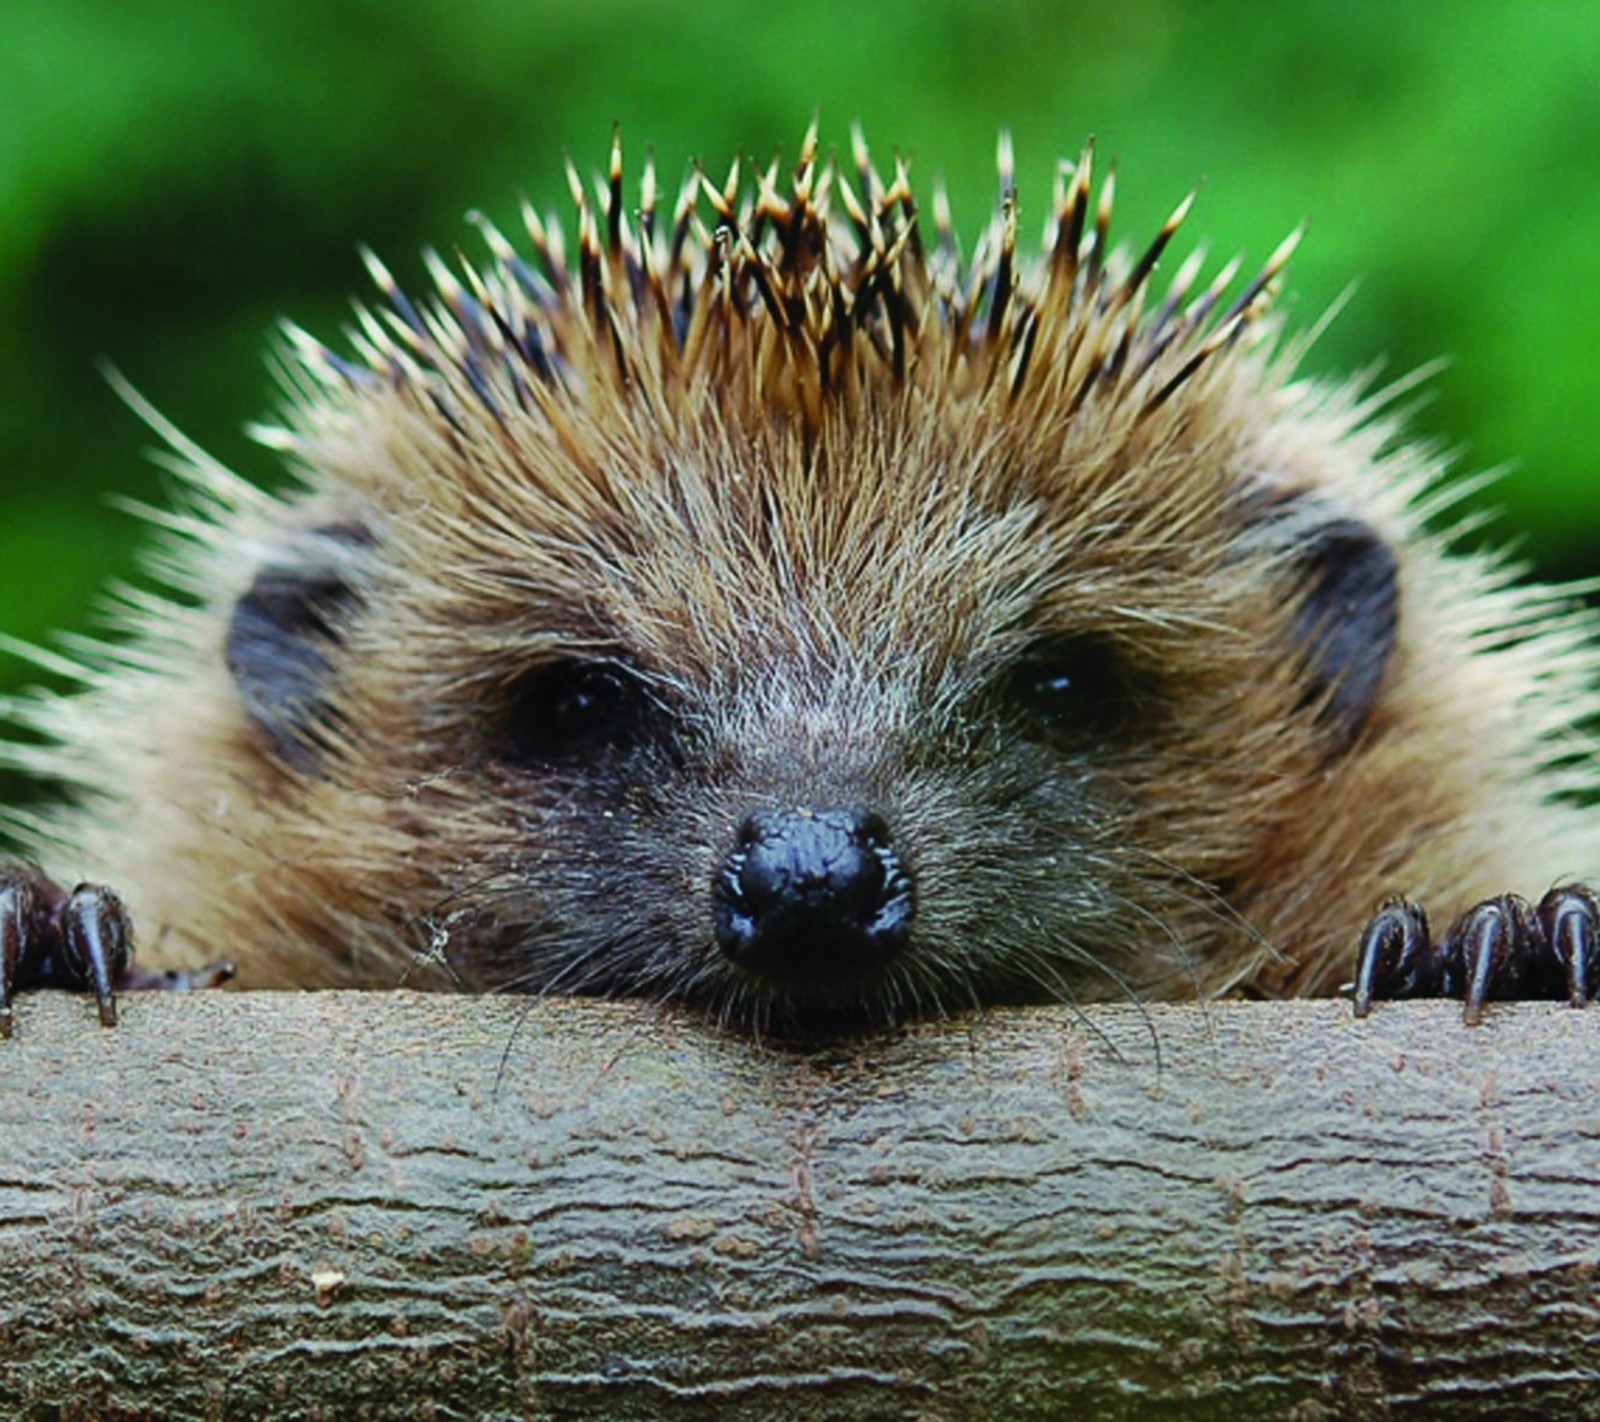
(1501, 948)
(1570, 920)
(81, 941)
(1395, 959)
(97, 944)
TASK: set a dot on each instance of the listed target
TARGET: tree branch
(381, 1205)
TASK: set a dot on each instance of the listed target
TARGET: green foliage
(175, 173)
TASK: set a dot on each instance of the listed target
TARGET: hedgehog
(768, 608)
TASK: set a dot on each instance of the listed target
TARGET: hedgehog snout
(809, 897)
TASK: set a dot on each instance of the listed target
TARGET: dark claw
(97, 944)
(29, 905)
(23, 926)
(82, 941)
(1487, 945)
(1396, 958)
(1570, 918)
(1499, 949)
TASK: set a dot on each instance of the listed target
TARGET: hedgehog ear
(283, 631)
(1346, 619)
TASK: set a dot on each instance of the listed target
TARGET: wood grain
(383, 1205)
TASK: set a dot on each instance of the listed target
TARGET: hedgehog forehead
(786, 576)
(904, 531)
(870, 584)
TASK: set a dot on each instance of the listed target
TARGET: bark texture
(388, 1206)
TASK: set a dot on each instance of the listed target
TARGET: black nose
(812, 896)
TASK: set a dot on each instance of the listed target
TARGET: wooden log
(382, 1206)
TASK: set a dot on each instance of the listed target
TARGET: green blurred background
(176, 173)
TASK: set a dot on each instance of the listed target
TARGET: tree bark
(390, 1206)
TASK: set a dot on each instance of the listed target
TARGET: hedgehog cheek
(281, 636)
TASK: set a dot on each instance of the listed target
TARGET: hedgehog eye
(570, 709)
(1070, 687)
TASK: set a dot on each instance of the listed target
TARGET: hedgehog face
(794, 620)
(859, 770)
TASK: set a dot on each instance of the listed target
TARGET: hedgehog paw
(81, 940)
(1500, 948)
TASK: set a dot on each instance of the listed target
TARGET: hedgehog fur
(1144, 653)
